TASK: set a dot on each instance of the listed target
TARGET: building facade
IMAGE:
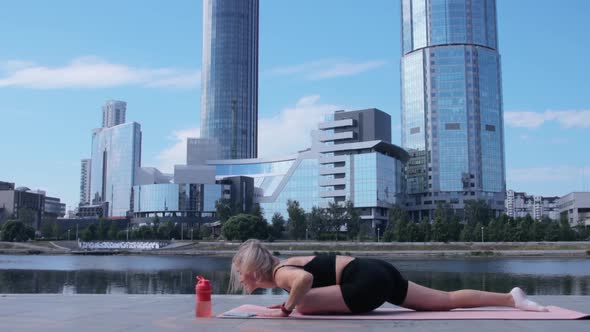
(177, 200)
(229, 89)
(54, 208)
(116, 159)
(113, 113)
(85, 170)
(452, 118)
(13, 201)
(519, 205)
(350, 159)
(575, 207)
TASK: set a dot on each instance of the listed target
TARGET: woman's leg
(427, 299)
(323, 300)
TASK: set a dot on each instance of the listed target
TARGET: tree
(243, 227)
(466, 234)
(317, 222)
(103, 230)
(353, 221)
(224, 209)
(17, 231)
(55, 231)
(336, 220)
(425, 229)
(90, 233)
(113, 230)
(396, 229)
(477, 211)
(258, 211)
(443, 217)
(26, 216)
(565, 231)
(552, 232)
(156, 227)
(277, 226)
(47, 229)
(296, 220)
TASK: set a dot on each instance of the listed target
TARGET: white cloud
(328, 68)
(566, 118)
(176, 154)
(289, 131)
(545, 174)
(93, 72)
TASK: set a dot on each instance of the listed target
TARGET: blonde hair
(252, 256)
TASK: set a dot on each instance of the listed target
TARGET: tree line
(336, 222)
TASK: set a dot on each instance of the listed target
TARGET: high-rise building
(452, 123)
(85, 181)
(116, 159)
(229, 89)
(113, 113)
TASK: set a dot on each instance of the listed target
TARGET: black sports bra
(322, 268)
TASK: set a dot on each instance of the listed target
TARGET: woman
(341, 284)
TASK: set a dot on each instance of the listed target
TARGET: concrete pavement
(88, 313)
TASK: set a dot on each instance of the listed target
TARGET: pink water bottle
(203, 291)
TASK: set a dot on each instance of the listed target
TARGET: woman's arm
(301, 282)
(298, 282)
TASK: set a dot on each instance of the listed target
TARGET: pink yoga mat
(406, 314)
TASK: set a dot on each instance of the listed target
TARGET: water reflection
(176, 275)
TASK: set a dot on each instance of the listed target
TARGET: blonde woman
(342, 284)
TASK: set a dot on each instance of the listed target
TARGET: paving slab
(88, 313)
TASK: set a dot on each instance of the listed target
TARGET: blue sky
(61, 60)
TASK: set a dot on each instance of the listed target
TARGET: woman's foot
(521, 302)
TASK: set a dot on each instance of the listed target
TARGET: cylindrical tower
(229, 89)
(452, 118)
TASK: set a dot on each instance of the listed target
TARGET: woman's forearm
(301, 286)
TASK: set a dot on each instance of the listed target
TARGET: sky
(60, 61)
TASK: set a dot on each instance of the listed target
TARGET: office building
(54, 208)
(85, 181)
(229, 88)
(116, 158)
(14, 200)
(350, 159)
(452, 118)
(575, 207)
(113, 113)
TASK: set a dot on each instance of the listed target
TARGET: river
(73, 274)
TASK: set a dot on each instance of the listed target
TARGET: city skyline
(305, 72)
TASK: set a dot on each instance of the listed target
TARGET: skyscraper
(116, 158)
(229, 89)
(452, 122)
(113, 113)
(85, 181)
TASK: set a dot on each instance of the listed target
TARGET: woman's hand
(274, 313)
(276, 306)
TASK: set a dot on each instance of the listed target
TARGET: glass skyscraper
(452, 118)
(116, 158)
(229, 89)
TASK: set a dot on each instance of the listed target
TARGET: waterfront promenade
(291, 248)
(145, 313)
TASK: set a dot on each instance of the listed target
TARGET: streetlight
(378, 229)
(68, 234)
(481, 234)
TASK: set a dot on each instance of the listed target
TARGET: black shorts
(367, 283)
